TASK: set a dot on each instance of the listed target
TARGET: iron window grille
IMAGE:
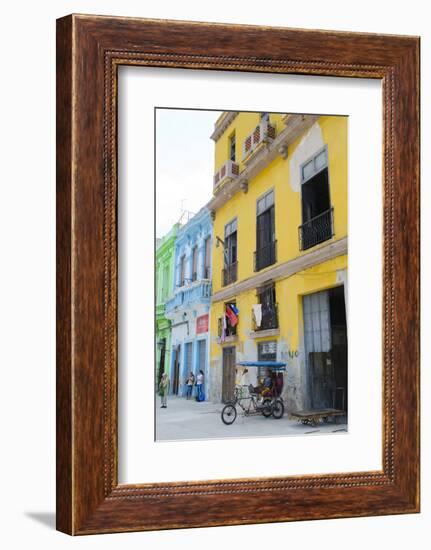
(229, 274)
(265, 256)
(317, 230)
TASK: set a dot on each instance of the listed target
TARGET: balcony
(269, 320)
(229, 274)
(265, 256)
(228, 172)
(317, 230)
(196, 292)
(263, 133)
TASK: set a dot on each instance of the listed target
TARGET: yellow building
(280, 253)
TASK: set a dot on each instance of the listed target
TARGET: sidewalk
(192, 420)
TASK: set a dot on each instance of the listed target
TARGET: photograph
(215, 266)
(251, 274)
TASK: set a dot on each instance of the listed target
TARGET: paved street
(191, 420)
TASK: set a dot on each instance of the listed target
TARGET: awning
(268, 364)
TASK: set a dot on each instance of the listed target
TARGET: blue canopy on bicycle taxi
(273, 365)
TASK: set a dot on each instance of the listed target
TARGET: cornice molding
(283, 270)
(295, 126)
(224, 124)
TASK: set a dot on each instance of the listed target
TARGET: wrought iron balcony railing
(269, 318)
(197, 292)
(229, 274)
(317, 230)
(265, 256)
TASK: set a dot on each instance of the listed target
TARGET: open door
(176, 380)
(325, 331)
(322, 380)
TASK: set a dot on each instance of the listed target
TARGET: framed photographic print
(237, 274)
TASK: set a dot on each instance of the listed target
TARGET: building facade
(279, 254)
(188, 307)
(165, 254)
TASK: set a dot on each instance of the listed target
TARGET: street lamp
(225, 252)
(219, 241)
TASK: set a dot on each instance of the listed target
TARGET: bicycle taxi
(264, 398)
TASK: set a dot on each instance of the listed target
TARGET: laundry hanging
(257, 312)
(223, 329)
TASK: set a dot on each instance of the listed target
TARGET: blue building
(188, 308)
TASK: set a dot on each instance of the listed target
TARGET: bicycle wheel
(277, 409)
(267, 408)
(228, 414)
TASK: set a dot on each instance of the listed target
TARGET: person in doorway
(190, 383)
(163, 390)
(200, 386)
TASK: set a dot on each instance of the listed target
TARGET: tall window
(182, 270)
(317, 222)
(159, 283)
(232, 148)
(195, 263)
(266, 351)
(267, 313)
(165, 287)
(207, 259)
(230, 253)
(188, 357)
(265, 254)
(227, 325)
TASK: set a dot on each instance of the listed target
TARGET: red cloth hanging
(231, 315)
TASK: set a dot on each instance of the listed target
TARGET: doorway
(325, 335)
(188, 359)
(317, 219)
(315, 196)
(176, 380)
(337, 309)
(202, 356)
(228, 385)
(161, 360)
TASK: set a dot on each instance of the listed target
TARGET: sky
(184, 163)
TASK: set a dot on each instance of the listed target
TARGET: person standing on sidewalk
(190, 383)
(163, 390)
(199, 386)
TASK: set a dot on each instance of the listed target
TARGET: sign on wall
(202, 324)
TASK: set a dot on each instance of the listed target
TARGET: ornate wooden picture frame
(89, 51)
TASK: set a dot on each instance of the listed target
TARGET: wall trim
(286, 269)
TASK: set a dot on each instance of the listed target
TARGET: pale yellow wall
(287, 200)
(288, 216)
(334, 131)
(243, 125)
(289, 292)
